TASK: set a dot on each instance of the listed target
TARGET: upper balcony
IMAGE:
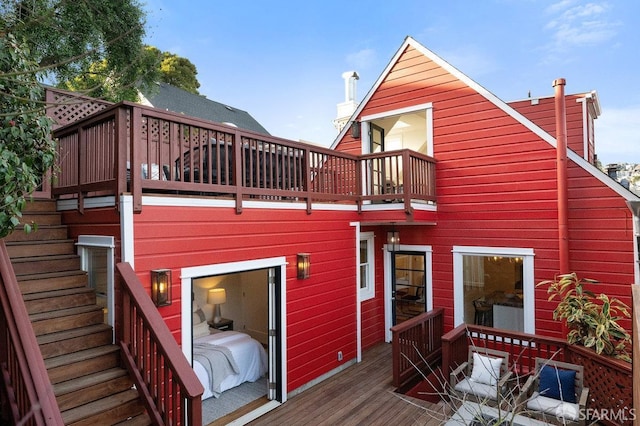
(129, 148)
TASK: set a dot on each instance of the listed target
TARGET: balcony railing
(132, 148)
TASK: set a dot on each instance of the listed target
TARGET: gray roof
(173, 99)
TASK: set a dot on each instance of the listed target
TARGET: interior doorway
(250, 329)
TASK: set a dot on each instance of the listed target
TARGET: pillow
(557, 384)
(485, 369)
(200, 330)
(198, 315)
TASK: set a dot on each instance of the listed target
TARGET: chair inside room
(555, 393)
(483, 313)
(483, 378)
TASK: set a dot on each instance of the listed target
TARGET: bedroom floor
(231, 400)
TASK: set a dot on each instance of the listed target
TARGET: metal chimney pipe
(561, 175)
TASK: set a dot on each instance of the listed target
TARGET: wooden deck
(360, 395)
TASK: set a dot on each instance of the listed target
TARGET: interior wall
(247, 300)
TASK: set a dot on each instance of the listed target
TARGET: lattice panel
(65, 107)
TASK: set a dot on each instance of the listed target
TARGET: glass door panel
(408, 285)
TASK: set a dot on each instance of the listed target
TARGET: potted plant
(592, 320)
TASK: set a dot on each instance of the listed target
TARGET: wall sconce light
(355, 129)
(304, 266)
(393, 241)
(216, 297)
(161, 287)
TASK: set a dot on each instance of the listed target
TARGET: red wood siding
(100, 221)
(543, 114)
(321, 316)
(496, 187)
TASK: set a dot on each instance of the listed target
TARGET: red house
(437, 194)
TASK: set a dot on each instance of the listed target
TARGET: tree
(54, 39)
(27, 149)
(66, 37)
(165, 66)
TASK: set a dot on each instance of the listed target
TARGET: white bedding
(248, 353)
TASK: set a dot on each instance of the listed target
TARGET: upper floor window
(405, 128)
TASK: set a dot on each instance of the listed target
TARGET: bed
(225, 359)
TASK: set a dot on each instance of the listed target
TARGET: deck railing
(171, 390)
(415, 343)
(133, 148)
(26, 394)
(610, 381)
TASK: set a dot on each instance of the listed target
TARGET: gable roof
(174, 99)
(542, 134)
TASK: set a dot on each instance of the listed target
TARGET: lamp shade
(393, 241)
(217, 296)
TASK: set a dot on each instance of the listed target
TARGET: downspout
(561, 170)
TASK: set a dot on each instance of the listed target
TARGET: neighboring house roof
(551, 140)
(174, 99)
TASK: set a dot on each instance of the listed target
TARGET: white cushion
(486, 369)
(553, 406)
(200, 330)
(481, 390)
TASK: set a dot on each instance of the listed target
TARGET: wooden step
(77, 364)
(66, 319)
(109, 410)
(40, 206)
(78, 339)
(53, 232)
(42, 264)
(139, 420)
(20, 249)
(41, 218)
(59, 299)
(81, 390)
(36, 283)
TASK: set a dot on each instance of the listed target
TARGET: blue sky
(282, 60)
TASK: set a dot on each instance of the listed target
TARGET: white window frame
(426, 107)
(528, 285)
(369, 291)
(84, 244)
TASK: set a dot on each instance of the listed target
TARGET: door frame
(428, 275)
(187, 276)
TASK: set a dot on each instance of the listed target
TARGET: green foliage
(592, 319)
(67, 37)
(156, 65)
(26, 147)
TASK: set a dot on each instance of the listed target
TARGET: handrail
(415, 343)
(169, 387)
(132, 148)
(24, 378)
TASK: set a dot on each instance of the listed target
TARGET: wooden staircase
(90, 384)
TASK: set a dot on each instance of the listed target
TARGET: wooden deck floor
(360, 395)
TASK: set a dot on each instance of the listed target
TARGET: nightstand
(224, 324)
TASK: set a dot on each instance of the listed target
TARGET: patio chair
(483, 378)
(555, 393)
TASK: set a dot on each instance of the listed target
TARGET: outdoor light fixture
(304, 266)
(393, 241)
(216, 297)
(161, 287)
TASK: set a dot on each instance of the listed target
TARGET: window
(367, 266)
(494, 287)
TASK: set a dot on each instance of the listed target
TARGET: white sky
(282, 60)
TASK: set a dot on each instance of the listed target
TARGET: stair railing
(27, 393)
(168, 385)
